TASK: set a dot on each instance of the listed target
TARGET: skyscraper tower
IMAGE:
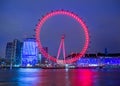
(17, 46)
(9, 50)
(13, 52)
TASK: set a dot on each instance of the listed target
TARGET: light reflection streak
(84, 77)
(28, 77)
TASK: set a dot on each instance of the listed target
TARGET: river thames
(59, 77)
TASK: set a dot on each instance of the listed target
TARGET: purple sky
(19, 17)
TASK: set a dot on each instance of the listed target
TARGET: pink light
(70, 14)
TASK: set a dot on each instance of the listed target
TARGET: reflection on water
(84, 78)
(59, 77)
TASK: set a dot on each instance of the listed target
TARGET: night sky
(18, 19)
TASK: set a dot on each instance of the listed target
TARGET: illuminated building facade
(29, 52)
(85, 62)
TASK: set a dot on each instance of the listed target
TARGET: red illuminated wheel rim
(75, 17)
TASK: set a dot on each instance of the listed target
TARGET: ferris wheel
(62, 44)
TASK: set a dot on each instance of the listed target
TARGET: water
(59, 77)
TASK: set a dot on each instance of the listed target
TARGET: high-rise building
(17, 46)
(29, 52)
(13, 52)
(9, 50)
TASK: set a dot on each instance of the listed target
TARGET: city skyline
(18, 20)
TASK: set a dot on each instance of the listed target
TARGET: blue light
(29, 53)
(97, 61)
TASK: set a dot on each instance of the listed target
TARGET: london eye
(62, 44)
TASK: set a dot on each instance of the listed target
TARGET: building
(106, 61)
(29, 52)
(9, 50)
(39, 58)
(17, 46)
(13, 52)
(44, 60)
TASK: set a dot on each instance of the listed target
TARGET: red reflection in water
(61, 77)
(83, 77)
